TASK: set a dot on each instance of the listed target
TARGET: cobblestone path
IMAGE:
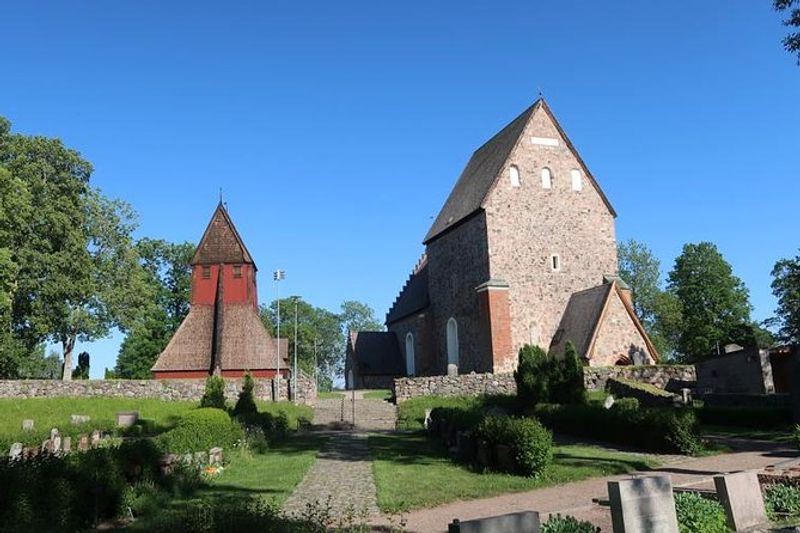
(341, 477)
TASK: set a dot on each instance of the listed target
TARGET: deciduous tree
(786, 288)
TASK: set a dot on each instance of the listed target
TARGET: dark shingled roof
(376, 353)
(483, 167)
(580, 319)
(221, 242)
(413, 297)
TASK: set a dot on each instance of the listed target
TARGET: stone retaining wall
(462, 385)
(665, 377)
(669, 377)
(172, 389)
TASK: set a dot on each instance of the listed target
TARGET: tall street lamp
(295, 299)
(278, 276)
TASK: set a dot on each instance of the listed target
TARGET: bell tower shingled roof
(221, 242)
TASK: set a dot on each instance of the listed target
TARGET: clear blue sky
(338, 128)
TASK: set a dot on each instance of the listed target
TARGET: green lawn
(412, 471)
(48, 413)
(293, 412)
(380, 394)
(775, 435)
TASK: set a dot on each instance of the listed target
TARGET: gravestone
(66, 444)
(215, 456)
(27, 425)
(524, 522)
(643, 504)
(427, 422)
(96, 436)
(77, 420)
(16, 450)
(126, 419)
(47, 446)
(53, 433)
(56, 443)
(83, 442)
(452, 370)
(200, 458)
(740, 496)
(609, 402)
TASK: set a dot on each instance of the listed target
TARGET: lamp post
(295, 299)
(316, 379)
(278, 276)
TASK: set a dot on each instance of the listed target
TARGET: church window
(206, 272)
(410, 354)
(547, 178)
(452, 342)
(237, 271)
(513, 174)
(577, 180)
(555, 263)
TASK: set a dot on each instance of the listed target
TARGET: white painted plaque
(545, 141)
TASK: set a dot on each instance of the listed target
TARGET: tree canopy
(792, 41)
(786, 288)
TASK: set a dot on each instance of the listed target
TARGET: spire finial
(220, 195)
(541, 94)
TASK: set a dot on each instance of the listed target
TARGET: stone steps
(369, 414)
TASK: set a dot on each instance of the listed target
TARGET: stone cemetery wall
(171, 389)
(670, 377)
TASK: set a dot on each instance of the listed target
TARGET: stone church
(522, 252)
(222, 334)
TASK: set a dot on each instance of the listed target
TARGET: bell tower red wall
(238, 282)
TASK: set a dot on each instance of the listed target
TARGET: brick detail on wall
(174, 389)
(493, 297)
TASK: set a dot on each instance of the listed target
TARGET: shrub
(530, 442)
(626, 405)
(544, 379)
(246, 402)
(658, 430)
(214, 395)
(568, 524)
(411, 413)
(567, 377)
(531, 376)
(201, 430)
(699, 515)
(782, 501)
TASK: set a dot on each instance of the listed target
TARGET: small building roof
(414, 295)
(482, 171)
(221, 242)
(376, 353)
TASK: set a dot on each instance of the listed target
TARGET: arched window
(513, 174)
(452, 342)
(410, 354)
(577, 179)
(547, 178)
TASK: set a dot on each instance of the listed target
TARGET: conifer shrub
(246, 403)
(201, 430)
(214, 395)
(531, 376)
(546, 379)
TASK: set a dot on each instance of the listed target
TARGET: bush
(782, 501)
(626, 405)
(699, 515)
(214, 395)
(201, 430)
(568, 524)
(246, 402)
(530, 442)
(666, 430)
(544, 379)
(411, 413)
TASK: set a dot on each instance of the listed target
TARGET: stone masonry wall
(458, 263)
(593, 378)
(618, 337)
(528, 224)
(178, 389)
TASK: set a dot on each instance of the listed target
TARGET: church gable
(619, 337)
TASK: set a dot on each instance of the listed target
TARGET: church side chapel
(222, 334)
(523, 251)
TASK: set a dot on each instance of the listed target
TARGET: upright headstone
(740, 496)
(56, 443)
(609, 402)
(126, 419)
(83, 442)
(16, 450)
(96, 436)
(643, 504)
(53, 433)
(66, 444)
(524, 522)
(27, 425)
(452, 370)
(215, 456)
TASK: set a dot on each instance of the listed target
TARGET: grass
(295, 413)
(775, 435)
(332, 395)
(380, 394)
(412, 471)
(273, 474)
(50, 413)
(411, 413)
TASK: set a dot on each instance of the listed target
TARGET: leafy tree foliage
(167, 272)
(714, 302)
(786, 288)
(792, 41)
(358, 316)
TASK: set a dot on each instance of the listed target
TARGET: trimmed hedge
(649, 395)
(411, 413)
(201, 430)
(530, 442)
(746, 417)
(655, 430)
